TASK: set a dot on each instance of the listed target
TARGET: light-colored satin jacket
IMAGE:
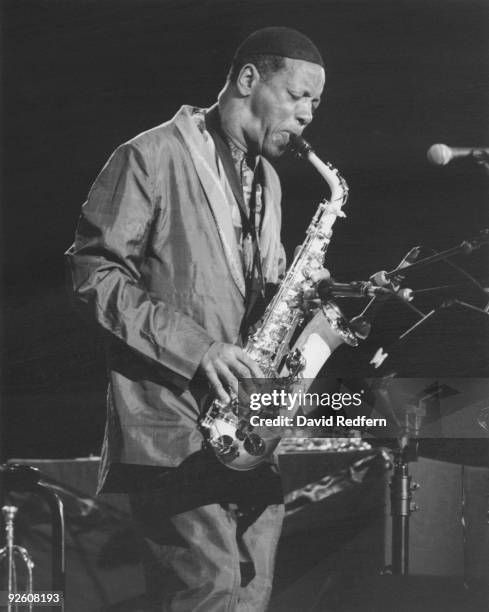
(156, 263)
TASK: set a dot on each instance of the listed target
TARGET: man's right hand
(223, 365)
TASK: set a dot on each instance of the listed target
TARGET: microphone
(362, 323)
(392, 279)
(327, 289)
(441, 154)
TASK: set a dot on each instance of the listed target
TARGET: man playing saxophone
(176, 249)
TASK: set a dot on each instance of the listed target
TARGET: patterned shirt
(246, 166)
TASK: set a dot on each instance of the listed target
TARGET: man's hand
(223, 365)
(309, 301)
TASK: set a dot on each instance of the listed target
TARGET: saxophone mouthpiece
(299, 146)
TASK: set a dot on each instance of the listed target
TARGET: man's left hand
(309, 301)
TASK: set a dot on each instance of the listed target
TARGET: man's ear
(248, 76)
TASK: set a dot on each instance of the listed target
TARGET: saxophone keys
(254, 445)
(295, 362)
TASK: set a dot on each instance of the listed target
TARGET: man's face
(283, 104)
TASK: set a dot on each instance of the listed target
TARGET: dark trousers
(215, 558)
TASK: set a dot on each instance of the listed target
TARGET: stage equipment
(357, 289)
(8, 553)
(26, 478)
(421, 426)
(335, 521)
(466, 248)
(414, 354)
(363, 322)
(419, 415)
(441, 154)
(227, 432)
(411, 417)
(390, 283)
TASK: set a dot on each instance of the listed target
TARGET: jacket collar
(202, 152)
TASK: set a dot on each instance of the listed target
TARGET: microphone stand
(417, 410)
(466, 247)
(402, 487)
(482, 159)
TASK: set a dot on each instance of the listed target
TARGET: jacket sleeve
(104, 264)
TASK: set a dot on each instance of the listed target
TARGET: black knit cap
(284, 42)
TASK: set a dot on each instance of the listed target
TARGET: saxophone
(228, 433)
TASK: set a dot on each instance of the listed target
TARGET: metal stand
(401, 509)
(466, 247)
(26, 478)
(402, 506)
(9, 552)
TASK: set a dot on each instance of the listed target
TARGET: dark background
(81, 77)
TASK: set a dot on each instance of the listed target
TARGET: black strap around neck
(213, 125)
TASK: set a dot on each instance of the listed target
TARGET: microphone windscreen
(439, 154)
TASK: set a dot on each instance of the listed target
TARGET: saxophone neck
(339, 189)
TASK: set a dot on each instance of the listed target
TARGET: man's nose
(304, 114)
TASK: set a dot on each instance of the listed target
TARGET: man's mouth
(282, 139)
